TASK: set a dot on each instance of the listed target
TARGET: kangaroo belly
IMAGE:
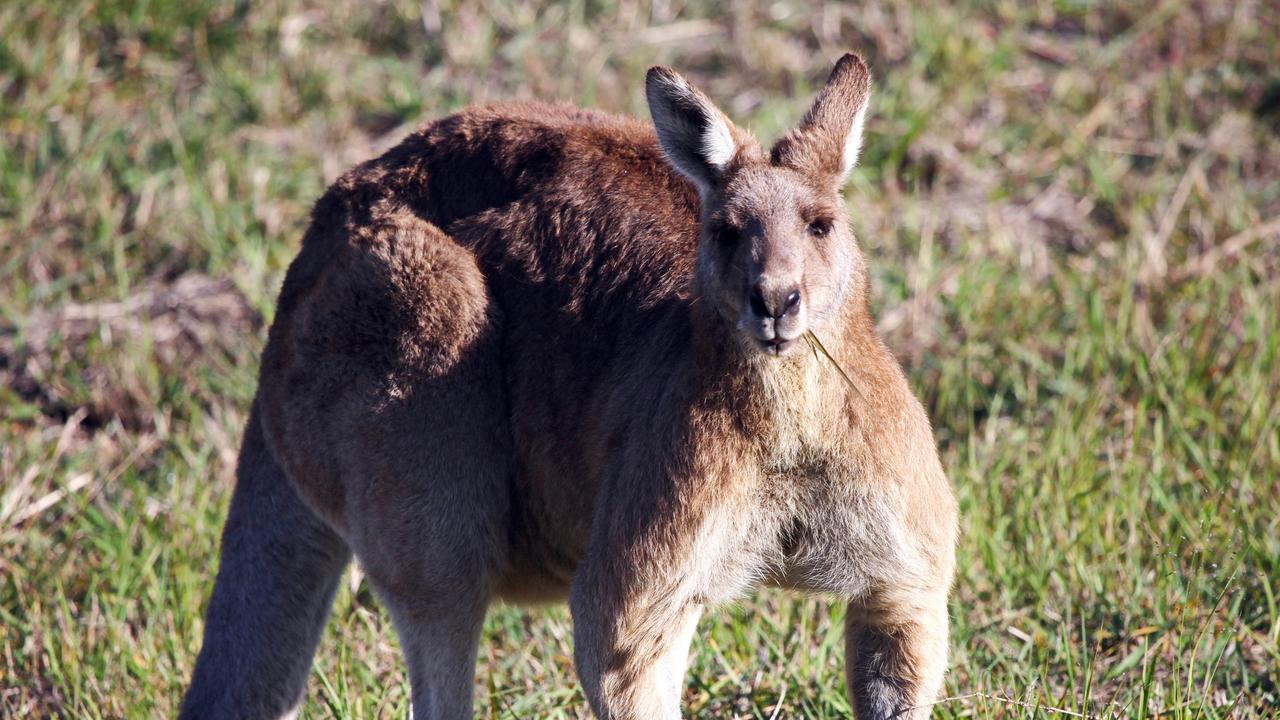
(843, 532)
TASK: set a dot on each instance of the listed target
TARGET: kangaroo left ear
(826, 143)
(698, 140)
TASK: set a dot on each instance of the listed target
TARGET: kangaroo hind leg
(429, 460)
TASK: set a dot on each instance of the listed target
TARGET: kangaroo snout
(775, 304)
(775, 315)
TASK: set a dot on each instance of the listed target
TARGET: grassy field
(1073, 215)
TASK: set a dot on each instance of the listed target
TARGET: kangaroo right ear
(826, 143)
(698, 139)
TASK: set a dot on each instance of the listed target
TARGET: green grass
(1070, 208)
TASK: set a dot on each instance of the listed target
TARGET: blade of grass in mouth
(817, 347)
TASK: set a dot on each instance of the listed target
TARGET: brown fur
(515, 358)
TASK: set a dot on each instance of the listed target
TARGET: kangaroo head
(776, 257)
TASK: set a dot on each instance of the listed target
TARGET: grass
(1071, 210)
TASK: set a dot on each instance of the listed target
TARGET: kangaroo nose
(774, 304)
(792, 303)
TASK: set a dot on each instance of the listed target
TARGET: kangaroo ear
(827, 141)
(697, 138)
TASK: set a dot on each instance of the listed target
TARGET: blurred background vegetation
(1072, 210)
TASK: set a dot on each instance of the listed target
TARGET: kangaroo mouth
(777, 346)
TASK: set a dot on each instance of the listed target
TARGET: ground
(1072, 212)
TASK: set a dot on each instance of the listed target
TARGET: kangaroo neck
(760, 390)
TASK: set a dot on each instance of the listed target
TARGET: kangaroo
(537, 351)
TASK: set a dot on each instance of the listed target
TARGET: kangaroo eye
(726, 236)
(820, 228)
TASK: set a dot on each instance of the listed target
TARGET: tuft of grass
(1072, 215)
